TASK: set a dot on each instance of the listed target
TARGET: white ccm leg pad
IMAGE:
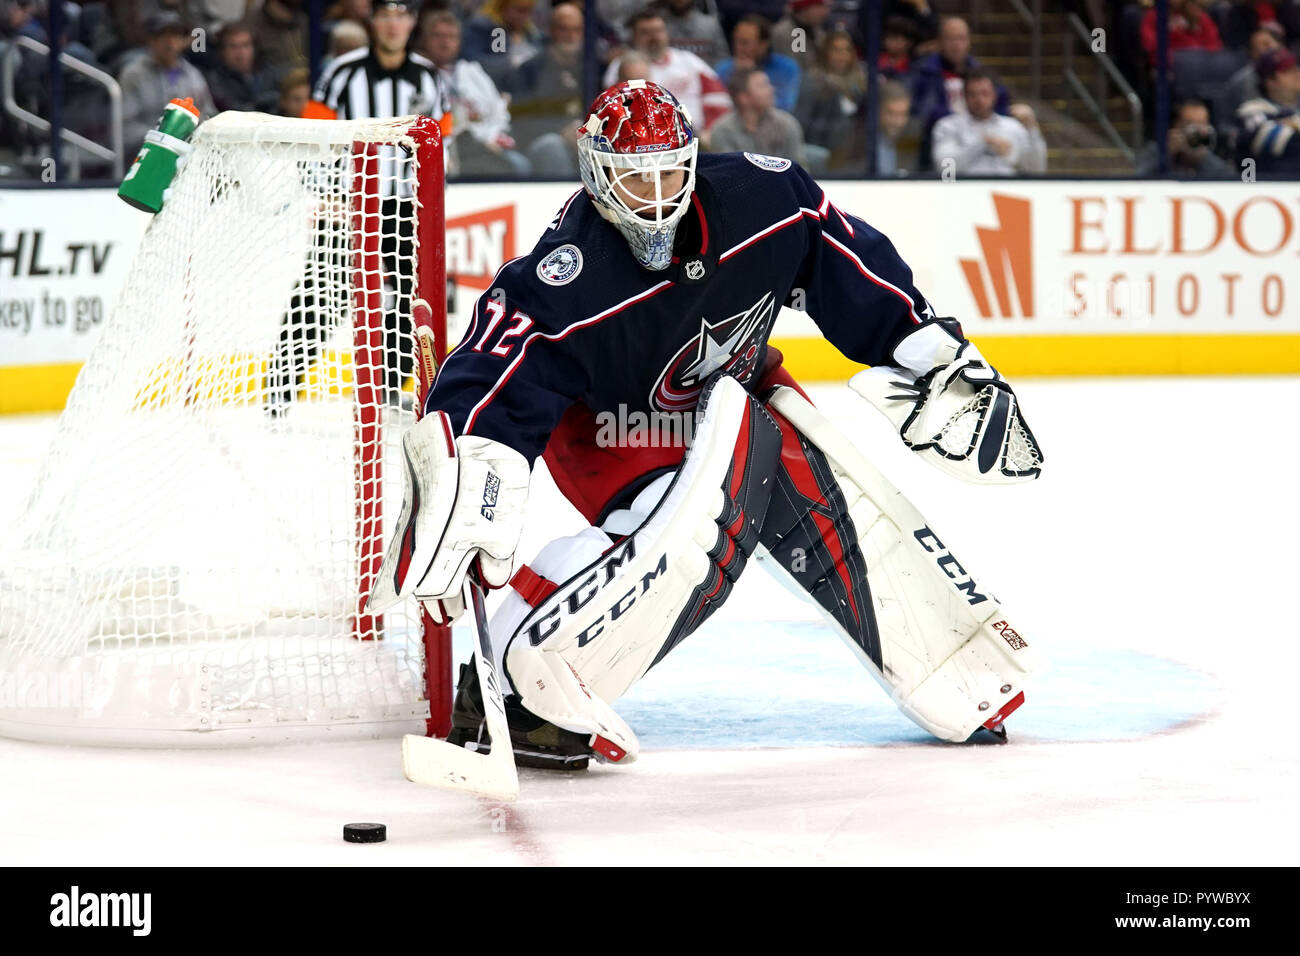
(940, 645)
(596, 631)
(552, 689)
(547, 684)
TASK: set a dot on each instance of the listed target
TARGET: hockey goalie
(654, 290)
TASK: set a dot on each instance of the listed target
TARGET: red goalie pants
(599, 477)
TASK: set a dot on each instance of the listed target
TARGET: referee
(383, 81)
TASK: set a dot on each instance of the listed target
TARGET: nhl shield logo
(560, 265)
(695, 270)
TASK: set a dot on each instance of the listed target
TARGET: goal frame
(368, 425)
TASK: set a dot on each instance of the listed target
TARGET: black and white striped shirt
(355, 86)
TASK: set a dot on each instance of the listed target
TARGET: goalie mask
(636, 154)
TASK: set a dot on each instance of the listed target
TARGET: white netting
(196, 550)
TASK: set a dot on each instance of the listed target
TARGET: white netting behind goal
(197, 550)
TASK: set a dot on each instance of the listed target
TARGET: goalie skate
(536, 743)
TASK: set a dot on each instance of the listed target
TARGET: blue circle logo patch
(560, 265)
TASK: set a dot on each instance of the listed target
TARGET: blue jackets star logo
(733, 344)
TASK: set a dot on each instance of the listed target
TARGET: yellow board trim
(36, 388)
(235, 378)
(811, 360)
(43, 388)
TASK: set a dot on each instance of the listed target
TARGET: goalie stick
(436, 763)
(428, 760)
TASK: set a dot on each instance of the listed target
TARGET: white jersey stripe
(788, 220)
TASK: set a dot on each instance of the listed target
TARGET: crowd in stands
(782, 77)
(1234, 82)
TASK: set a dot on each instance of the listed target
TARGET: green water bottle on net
(150, 177)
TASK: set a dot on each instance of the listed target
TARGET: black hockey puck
(365, 832)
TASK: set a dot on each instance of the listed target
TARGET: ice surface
(1152, 565)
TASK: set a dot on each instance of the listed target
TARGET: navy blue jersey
(578, 320)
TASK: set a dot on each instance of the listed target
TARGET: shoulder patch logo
(560, 265)
(772, 163)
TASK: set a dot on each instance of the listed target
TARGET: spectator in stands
(1244, 17)
(693, 30)
(1190, 147)
(895, 61)
(345, 31)
(31, 18)
(280, 27)
(1244, 84)
(346, 36)
(892, 156)
(937, 78)
(480, 124)
(212, 15)
(502, 38)
(349, 11)
(295, 91)
(799, 33)
(830, 99)
(608, 40)
(235, 81)
(923, 19)
(150, 82)
(619, 13)
(756, 125)
(118, 35)
(549, 99)
(632, 66)
(751, 44)
(978, 141)
(21, 18)
(683, 74)
(1267, 126)
(1190, 28)
(937, 81)
(1034, 159)
(552, 80)
(730, 12)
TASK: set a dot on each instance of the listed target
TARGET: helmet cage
(648, 223)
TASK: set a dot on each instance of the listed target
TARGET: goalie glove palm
(463, 502)
(960, 416)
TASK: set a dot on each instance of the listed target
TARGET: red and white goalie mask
(636, 154)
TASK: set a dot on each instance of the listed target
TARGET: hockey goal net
(194, 561)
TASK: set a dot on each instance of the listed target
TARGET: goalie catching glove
(953, 408)
(463, 502)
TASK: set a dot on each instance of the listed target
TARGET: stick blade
(436, 763)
